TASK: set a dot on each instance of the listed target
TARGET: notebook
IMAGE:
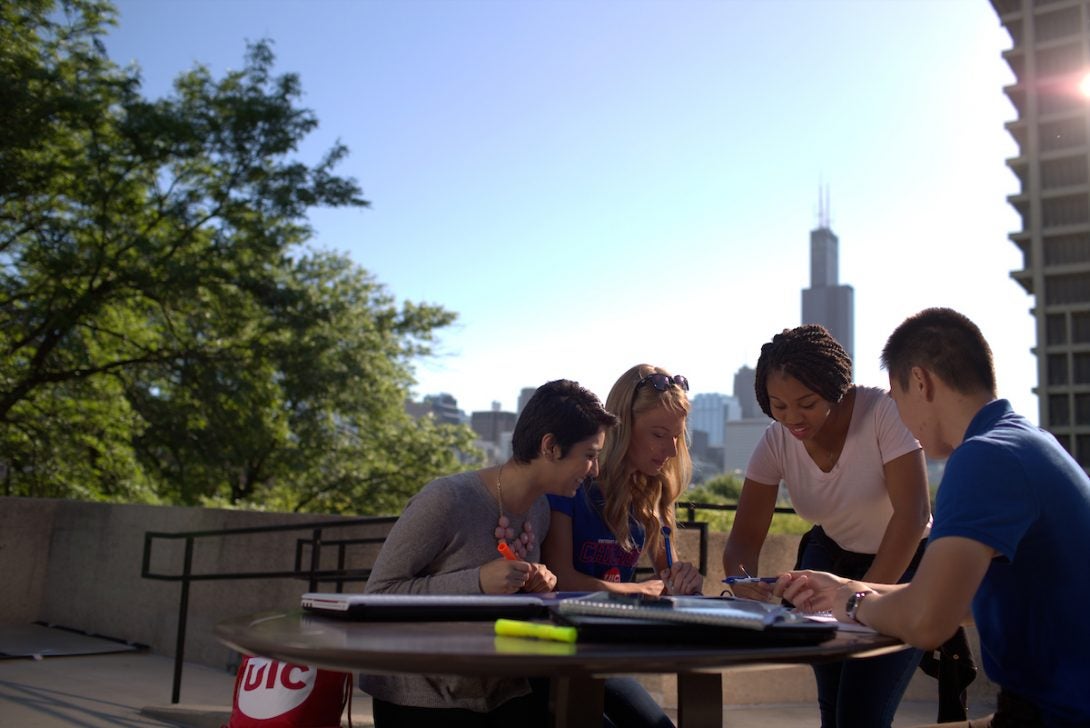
(431, 607)
(607, 616)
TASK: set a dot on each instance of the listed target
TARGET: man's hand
(812, 591)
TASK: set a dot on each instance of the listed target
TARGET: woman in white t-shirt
(854, 470)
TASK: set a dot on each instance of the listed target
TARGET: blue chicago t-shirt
(595, 550)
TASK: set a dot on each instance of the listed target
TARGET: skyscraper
(826, 302)
(1050, 57)
(744, 381)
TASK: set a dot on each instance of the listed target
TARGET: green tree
(166, 335)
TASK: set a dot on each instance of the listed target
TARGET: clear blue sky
(594, 184)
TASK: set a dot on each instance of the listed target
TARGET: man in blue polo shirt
(1011, 538)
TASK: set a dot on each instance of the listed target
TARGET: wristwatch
(853, 603)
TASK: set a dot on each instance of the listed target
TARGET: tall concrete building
(1050, 58)
(826, 302)
(744, 380)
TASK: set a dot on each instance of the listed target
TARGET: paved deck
(133, 689)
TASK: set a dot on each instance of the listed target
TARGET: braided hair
(811, 355)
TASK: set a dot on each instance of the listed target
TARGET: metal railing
(312, 572)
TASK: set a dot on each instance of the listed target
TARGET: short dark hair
(945, 342)
(569, 412)
(810, 354)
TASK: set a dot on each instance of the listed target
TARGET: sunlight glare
(1084, 85)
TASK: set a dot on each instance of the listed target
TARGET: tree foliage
(167, 335)
(727, 489)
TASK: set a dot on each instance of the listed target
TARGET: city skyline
(593, 185)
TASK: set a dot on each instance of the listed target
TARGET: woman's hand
(760, 591)
(683, 578)
(505, 577)
(540, 579)
(651, 587)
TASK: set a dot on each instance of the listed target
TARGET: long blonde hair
(626, 491)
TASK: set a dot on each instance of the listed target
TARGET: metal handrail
(314, 574)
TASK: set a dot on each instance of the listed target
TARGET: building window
(1057, 370)
(1080, 327)
(1082, 409)
(1059, 24)
(1059, 61)
(1067, 289)
(1055, 329)
(1082, 367)
(1054, 98)
(1067, 210)
(1059, 413)
(1062, 134)
(1083, 456)
(1063, 249)
(1063, 172)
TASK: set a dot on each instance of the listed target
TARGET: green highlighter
(516, 628)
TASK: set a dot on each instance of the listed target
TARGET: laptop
(429, 607)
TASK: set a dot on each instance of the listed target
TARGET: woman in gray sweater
(446, 540)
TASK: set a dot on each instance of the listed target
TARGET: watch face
(853, 604)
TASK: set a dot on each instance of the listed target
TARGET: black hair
(569, 412)
(945, 342)
(810, 354)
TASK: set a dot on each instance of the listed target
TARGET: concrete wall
(78, 565)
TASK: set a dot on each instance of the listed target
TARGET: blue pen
(750, 580)
(669, 552)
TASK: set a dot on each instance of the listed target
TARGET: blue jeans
(861, 693)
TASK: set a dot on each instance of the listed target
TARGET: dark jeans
(861, 693)
(528, 711)
(628, 705)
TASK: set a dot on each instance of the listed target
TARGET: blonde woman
(597, 537)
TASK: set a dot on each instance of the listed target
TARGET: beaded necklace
(504, 531)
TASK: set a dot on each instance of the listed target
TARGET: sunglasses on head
(662, 382)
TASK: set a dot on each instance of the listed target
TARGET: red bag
(274, 694)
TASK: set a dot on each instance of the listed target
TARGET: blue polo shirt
(1011, 486)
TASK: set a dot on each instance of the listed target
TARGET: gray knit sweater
(437, 546)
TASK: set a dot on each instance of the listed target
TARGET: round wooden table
(577, 670)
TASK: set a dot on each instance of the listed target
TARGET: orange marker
(504, 549)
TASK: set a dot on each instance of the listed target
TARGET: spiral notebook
(605, 615)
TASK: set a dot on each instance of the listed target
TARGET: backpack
(273, 694)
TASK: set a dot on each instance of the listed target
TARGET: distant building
(707, 427)
(826, 302)
(1048, 58)
(744, 381)
(709, 413)
(443, 407)
(741, 437)
(524, 397)
(493, 425)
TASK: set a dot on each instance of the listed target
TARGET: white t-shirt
(850, 502)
